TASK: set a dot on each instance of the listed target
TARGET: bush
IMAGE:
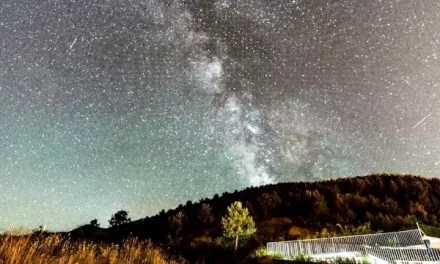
(277, 255)
(304, 258)
(261, 252)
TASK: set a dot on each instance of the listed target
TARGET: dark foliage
(95, 222)
(388, 202)
(119, 218)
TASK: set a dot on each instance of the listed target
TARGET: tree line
(287, 211)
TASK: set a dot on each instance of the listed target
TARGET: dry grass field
(35, 249)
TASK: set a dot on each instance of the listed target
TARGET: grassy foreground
(55, 249)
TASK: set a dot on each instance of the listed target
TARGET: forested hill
(291, 210)
(388, 202)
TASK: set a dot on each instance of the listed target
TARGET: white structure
(411, 246)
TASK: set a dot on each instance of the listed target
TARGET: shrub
(304, 258)
(261, 252)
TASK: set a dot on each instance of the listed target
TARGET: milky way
(144, 104)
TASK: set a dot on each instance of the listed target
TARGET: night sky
(144, 104)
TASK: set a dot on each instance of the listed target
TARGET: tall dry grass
(42, 249)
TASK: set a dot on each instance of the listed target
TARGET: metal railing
(355, 243)
(392, 247)
(398, 255)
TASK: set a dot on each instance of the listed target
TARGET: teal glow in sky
(142, 105)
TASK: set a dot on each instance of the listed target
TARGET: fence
(395, 247)
(399, 255)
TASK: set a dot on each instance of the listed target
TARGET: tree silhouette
(205, 214)
(176, 223)
(269, 202)
(121, 217)
(237, 223)
(95, 222)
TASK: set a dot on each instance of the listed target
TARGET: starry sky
(144, 104)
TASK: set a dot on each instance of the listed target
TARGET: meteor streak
(73, 43)
(421, 121)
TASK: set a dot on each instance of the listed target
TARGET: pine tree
(205, 215)
(269, 202)
(237, 223)
(176, 223)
